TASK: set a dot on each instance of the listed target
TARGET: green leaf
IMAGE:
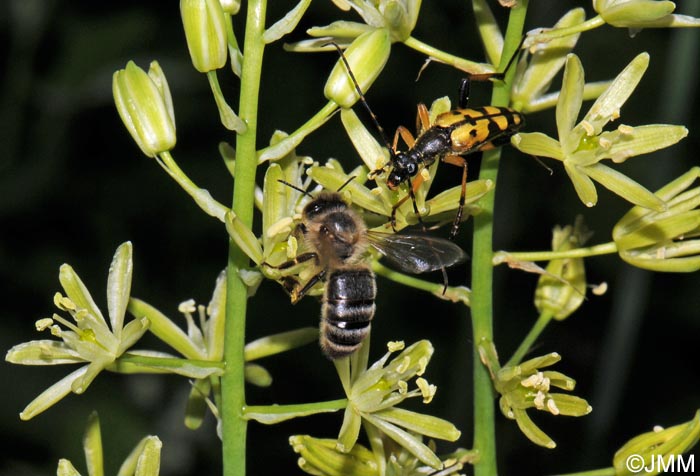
(66, 468)
(420, 423)
(148, 463)
(339, 29)
(144, 459)
(119, 286)
(197, 403)
(624, 186)
(165, 329)
(274, 203)
(639, 140)
(582, 183)
(608, 105)
(287, 23)
(257, 375)
(77, 292)
(532, 431)
(43, 352)
(370, 151)
(537, 144)
(349, 430)
(271, 414)
(52, 394)
(92, 445)
(278, 343)
(360, 195)
(570, 100)
(412, 444)
(244, 238)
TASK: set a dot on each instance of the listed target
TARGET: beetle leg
(422, 119)
(459, 162)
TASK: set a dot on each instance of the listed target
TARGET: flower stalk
(234, 424)
(482, 271)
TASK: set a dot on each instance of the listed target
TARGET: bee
(453, 135)
(338, 240)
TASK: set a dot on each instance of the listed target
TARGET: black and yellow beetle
(449, 138)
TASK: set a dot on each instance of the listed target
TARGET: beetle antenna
(362, 98)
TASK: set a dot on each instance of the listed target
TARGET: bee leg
(302, 258)
(297, 293)
(459, 162)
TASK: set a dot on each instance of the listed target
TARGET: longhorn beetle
(449, 138)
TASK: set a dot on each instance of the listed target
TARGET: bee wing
(417, 253)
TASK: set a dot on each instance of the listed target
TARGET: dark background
(74, 186)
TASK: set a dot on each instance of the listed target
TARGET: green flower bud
(642, 14)
(205, 31)
(562, 289)
(656, 240)
(366, 56)
(230, 6)
(145, 106)
(320, 457)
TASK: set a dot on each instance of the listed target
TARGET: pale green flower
(526, 386)
(396, 17)
(203, 346)
(541, 62)
(88, 339)
(145, 106)
(638, 14)
(665, 240)
(374, 393)
(144, 459)
(584, 145)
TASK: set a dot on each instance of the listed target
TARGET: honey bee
(338, 240)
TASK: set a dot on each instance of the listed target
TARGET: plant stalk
(234, 424)
(482, 270)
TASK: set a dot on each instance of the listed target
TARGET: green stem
(530, 338)
(234, 423)
(597, 250)
(482, 271)
(471, 67)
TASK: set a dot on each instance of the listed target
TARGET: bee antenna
(362, 97)
(298, 189)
